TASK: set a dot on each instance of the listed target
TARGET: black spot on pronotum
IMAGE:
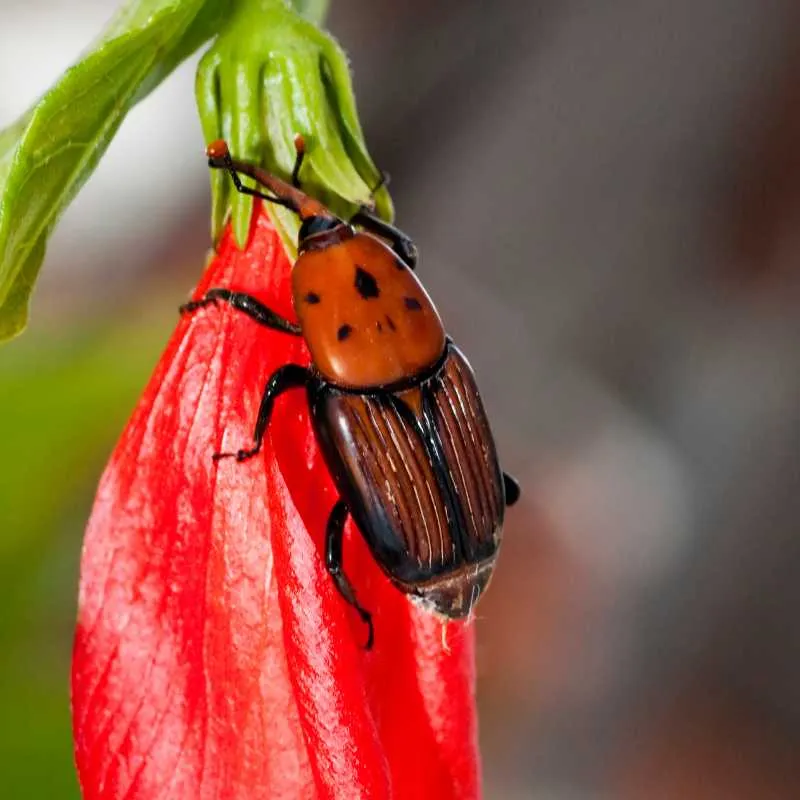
(412, 304)
(379, 326)
(312, 298)
(366, 285)
(390, 323)
(343, 332)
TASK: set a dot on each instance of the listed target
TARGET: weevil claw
(194, 305)
(367, 617)
(239, 455)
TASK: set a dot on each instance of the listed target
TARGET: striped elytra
(418, 470)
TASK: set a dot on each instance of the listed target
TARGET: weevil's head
(319, 227)
(318, 231)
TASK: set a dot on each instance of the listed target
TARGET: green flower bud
(270, 75)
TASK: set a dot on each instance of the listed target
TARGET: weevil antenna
(283, 194)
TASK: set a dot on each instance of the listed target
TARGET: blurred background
(606, 197)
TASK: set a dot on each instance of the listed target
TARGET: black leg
(512, 489)
(247, 304)
(300, 147)
(402, 244)
(383, 180)
(291, 376)
(333, 557)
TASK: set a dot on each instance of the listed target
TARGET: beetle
(393, 403)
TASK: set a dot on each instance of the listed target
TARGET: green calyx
(269, 74)
(272, 74)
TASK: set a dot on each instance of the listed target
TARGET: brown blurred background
(606, 197)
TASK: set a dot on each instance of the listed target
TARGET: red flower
(213, 657)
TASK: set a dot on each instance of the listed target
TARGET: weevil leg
(290, 376)
(300, 149)
(383, 180)
(246, 304)
(334, 536)
(402, 244)
(512, 489)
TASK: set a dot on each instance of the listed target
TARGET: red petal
(213, 656)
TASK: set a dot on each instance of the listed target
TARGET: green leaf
(14, 311)
(269, 75)
(47, 155)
